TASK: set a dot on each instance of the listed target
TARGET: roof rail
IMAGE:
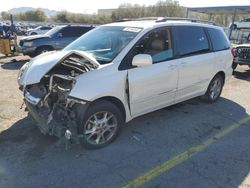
(164, 19)
(139, 19)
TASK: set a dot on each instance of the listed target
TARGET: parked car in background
(39, 30)
(243, 24)
(55, 39)
(241, 53)
(119, 71)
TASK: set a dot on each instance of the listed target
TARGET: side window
(157, 44)
(191, 40)
(45, 28)
(219, 41)
(68, 32)
(79, 31)
(247, 20)
(74, 31)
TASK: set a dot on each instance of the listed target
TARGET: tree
(167, 8)
(37, 15)
(5, 15)
(61, 17)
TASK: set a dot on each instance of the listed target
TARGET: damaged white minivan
(119, 71)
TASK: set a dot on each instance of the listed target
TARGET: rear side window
(74, 31)
(79, 31)
(218, 39)
(45, 28)
(191, 40)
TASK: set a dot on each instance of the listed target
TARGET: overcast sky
(90, 6)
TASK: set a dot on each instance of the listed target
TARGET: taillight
(234, 52)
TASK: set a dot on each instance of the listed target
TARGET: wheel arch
(222, 74)
(43, 46)
(116, 102)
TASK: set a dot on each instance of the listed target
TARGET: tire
(33, 33)
(234, 65)
(43, 49)
(214, 89)
(97, 135)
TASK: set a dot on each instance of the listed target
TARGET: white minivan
(119, 71)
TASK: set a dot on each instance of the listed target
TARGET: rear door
(196, 61)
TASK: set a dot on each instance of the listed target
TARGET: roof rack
(139, 19)
(164, 19)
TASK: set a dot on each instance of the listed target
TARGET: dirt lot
(211, 143)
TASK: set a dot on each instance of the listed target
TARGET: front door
(153, 87)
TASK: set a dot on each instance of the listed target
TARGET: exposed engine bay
(48, 101)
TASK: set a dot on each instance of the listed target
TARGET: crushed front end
(49, 103)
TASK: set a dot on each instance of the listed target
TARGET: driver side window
(157, 44)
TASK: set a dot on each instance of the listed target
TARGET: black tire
(234, 66)
(33, 33)
(43, 49)
(87, 124)
(209, 97)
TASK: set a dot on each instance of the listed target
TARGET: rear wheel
(101, 124)
(214, 89)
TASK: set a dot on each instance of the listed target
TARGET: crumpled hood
(33, 71)
(34, 37)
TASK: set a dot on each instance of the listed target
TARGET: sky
(91, 6)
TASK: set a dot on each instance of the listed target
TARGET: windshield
(105, 43)
(54, 30)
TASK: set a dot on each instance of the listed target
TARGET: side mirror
(59, 35)
(142, 60)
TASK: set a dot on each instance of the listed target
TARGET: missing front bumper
(51, 128)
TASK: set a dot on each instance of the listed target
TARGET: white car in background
(243, 24)
(119, 71)
(40, 30)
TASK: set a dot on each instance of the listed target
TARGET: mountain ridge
(18, 10)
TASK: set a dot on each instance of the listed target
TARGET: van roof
(151, 23)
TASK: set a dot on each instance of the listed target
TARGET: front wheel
(214, 89)
(101, 124)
